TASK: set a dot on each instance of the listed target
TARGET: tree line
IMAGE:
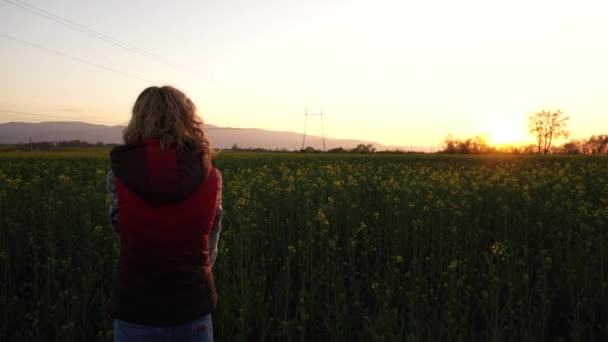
(547, 126)
(595, 144)
(52, 145)
(360, 149)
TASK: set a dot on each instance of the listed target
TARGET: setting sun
(505, 134)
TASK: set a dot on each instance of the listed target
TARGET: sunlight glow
(504, 134)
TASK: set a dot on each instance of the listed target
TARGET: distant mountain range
(220, 137)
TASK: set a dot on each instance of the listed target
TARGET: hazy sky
(388, 71)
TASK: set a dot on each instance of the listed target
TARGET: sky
(395, 72)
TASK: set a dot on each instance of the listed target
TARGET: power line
(13, 112)
(98, 35)
(63, 54)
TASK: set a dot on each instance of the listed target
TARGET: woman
(166, 208)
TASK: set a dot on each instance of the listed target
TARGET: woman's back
(166, 208)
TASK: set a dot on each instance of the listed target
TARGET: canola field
(332, 248)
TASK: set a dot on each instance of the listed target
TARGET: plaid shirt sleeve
(214, 236)
(113, 212)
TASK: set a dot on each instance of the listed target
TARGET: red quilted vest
(167, 201)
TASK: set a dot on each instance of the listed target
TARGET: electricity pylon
(308, 112)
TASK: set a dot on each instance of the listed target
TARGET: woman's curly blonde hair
(167, 114)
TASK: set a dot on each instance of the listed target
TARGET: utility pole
(322, 130)
(433, 144)
(31, 144)
(320, 113)
(304, 136)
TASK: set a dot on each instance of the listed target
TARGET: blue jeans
(199, 330)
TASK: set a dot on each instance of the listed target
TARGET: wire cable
(98, 35)
(63, 54)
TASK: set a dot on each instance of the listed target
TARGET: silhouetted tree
(309, 149)
(530, 149)
(548, 125)
(451, 144)
(572, 147)
(597, 144)
(362, 148)
(337, 150)
(468, 146)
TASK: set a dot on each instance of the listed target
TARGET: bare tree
(548, 125)
(361, 148)
(598, 144)
(467, 146)
(573, 147)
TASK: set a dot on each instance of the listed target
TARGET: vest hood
(157, 176)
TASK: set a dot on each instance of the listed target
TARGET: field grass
(322, 247)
